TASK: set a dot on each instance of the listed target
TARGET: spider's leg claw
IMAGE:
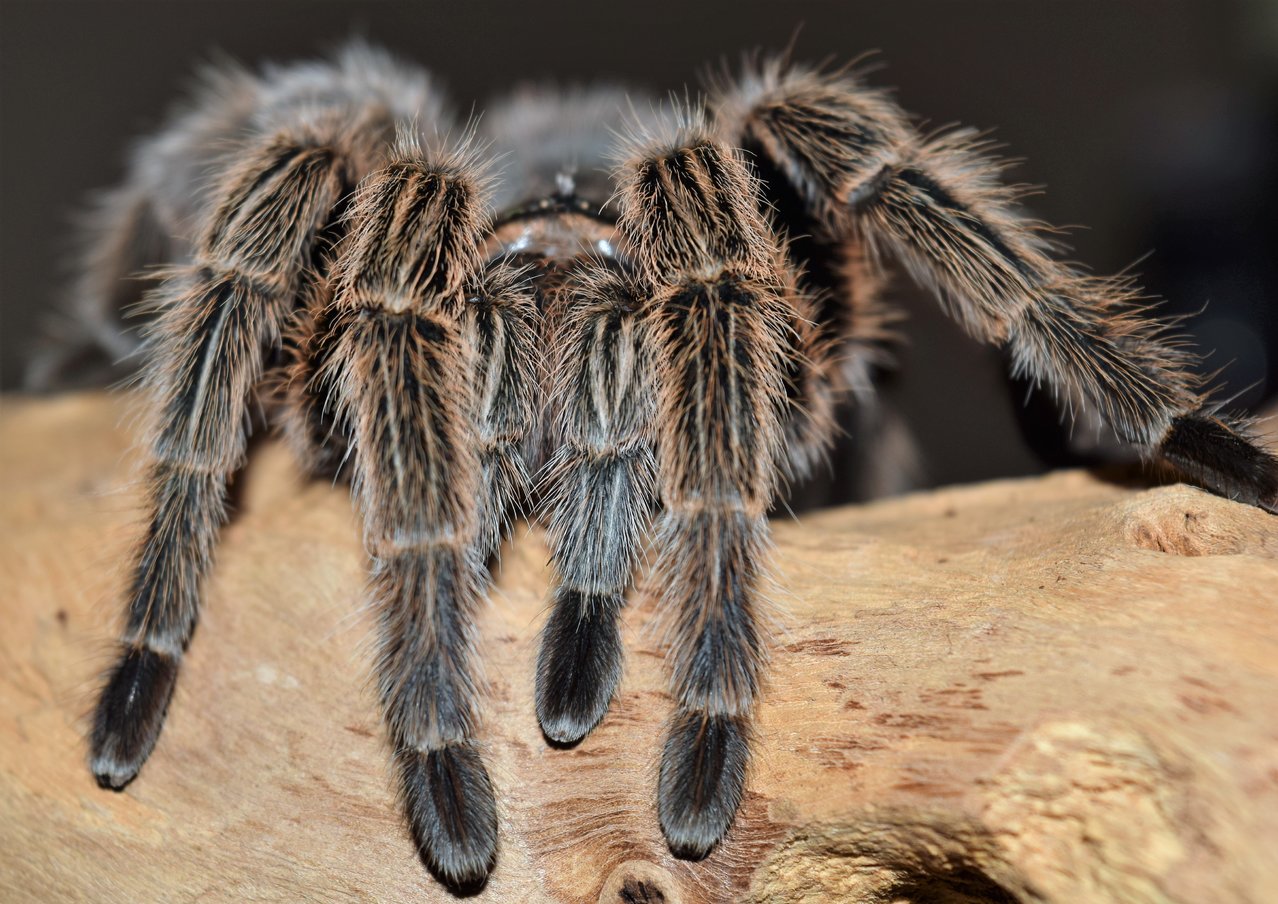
(578, 667)
(129, 715)
(1219, 454)
(452, 814)
(702, 778)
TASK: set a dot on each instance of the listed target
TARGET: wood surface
(1059, 689)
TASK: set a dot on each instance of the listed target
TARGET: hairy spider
(665, 338)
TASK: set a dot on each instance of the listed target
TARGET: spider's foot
(702, 777)
(452, 814)
(1220, 455)
(129, 715)
(578, 667)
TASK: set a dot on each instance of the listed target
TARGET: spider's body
(660, 342)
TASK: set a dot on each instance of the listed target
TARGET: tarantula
(663, 338)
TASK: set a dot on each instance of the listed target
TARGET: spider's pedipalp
(722, 342)
(862, 175)
(218, 316)
(407, 377)
(602, 485)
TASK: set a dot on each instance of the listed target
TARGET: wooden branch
(1031, 690)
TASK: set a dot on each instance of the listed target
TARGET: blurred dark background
(1155, 123)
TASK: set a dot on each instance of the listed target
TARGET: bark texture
(1063, 689)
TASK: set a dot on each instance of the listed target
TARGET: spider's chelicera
(657, 328)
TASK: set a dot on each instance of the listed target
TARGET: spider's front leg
(218, 318)
(861, 171)
(435, 386)
(722, 343)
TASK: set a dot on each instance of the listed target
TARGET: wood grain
(1036, 690)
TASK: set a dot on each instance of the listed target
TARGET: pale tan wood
(1037, 690)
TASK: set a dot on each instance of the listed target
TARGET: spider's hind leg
(861, 170)
(94, 341)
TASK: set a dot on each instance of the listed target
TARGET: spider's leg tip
(701, 783)
(567, 717)
(110, 775)
(1218, 453)
(562, 731)
(129, 715)
(578, 667)
(690, 842)
(452, 813)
